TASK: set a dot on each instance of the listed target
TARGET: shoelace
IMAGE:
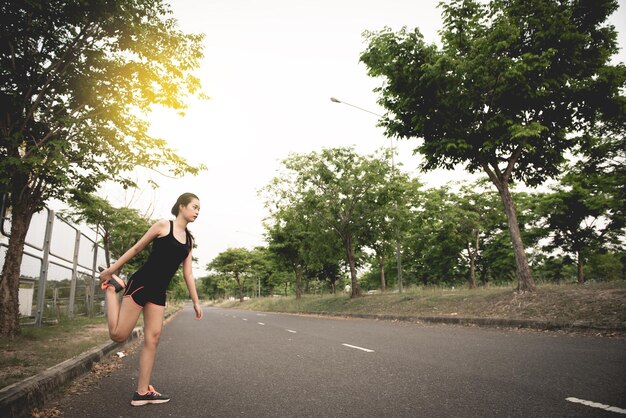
(151, 389)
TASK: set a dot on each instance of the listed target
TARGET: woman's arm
(191, 284)
(156, 230)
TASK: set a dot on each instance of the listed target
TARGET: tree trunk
(473, 254)
(525, 280)
(580, 274)
(472, 267)
(351, 263)
(383, 283)
(240, 287)
(10, 280)
(298, 272)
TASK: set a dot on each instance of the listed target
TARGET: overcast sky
(270, 69)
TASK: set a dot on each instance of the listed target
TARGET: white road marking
(245, 319)
(598, 405)
(367, 350)
(292, 331)
(260, 323)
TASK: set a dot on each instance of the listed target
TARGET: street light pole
(398, 258)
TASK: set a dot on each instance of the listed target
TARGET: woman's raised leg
(121, 319)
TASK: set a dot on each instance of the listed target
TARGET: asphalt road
(249, 364)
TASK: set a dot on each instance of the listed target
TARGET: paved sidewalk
(19, 399)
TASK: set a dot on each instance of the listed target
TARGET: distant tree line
(335, 217)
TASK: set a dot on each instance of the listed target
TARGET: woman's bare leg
(152, 326)
(121, 319)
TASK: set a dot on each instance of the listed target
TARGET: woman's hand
(198, 309)
(105, 274)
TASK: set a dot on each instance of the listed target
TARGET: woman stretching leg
(145, 291)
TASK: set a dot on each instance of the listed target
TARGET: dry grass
(38, 348)
(599, 303)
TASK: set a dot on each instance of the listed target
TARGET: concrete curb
(20, 398)
(484, 322)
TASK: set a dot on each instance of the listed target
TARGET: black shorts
(142, 293)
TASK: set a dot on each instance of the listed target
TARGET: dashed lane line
(367, 350)
(260, 323)
(598, 405)
(292, 331)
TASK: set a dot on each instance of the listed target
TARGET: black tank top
(165, 257)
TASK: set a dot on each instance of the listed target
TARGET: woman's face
(191, 211)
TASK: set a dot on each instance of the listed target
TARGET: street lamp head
(336, 100)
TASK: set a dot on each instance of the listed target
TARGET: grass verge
(38, 348)
(597, 303)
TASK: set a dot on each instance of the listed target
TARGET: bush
(604, 268)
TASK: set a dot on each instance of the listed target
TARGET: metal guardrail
(58, 271)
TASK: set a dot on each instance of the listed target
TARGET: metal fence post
(74, 274)
(43, 273)
(92, 285)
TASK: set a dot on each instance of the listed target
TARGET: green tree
(584, 215)
(496, 259)
(262, 266)
(388, 223)
(235, 263)
(339, 189)
(515, 85)
(457, 232)
(329, 270)
(282, 280)
(297, 241)
(550, 268)
(436, 244)
(474, 208)
(324, 254)
(287, 234)
(120, 228)
(210, 286)
(76, 83)
(604, 167)
(605, 266)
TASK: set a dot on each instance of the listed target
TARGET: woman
(171, 246)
